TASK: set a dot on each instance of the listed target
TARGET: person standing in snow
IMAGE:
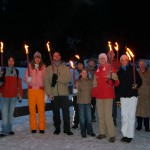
(143, 106)
(57, 79)
(128, 92)
(34, 77)
(10, 91)
(105, 79)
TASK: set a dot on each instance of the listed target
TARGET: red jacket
(101, 89)
(11, 86)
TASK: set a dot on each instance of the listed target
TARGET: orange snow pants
(36, 98)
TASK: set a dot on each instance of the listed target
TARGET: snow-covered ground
(24, 140)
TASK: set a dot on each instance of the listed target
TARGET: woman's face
(37, 60)
(80, 66)
(124, 61)
(102, 60)
(84, 74)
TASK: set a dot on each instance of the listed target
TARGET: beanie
(37, 54)
(102, 55)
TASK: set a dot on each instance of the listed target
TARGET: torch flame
(116, 47)
(109, 44)
(71, 63)
(1, 47)
(48, 47)
(130, 52)
(26, 48)
(77, 56)
(128, 56)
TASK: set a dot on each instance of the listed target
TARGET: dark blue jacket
(126, 80)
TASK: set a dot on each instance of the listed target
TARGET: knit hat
(102, 55)
(124, 56)
(37, 54)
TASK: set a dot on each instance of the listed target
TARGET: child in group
(84, 87)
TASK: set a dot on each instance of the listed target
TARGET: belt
(36, 88)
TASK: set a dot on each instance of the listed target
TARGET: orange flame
(48, 47)
(130, 52)
(26, 48)
(1, 50)
(109, 45)
(128, 56)
(116, 47)
(77, 56)
(72, 64)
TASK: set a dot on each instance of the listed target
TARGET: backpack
(2, 79)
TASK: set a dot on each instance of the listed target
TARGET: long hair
(80, 76)
(41, 64)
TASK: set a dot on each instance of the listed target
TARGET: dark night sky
(90, 22)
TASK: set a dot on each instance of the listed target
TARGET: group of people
(97, 90)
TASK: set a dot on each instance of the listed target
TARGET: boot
(139, 122)
(57, 131)
(146, 124)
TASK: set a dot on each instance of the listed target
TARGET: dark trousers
(76, 111)
(93, 107)
(146, 122)
(57, 103)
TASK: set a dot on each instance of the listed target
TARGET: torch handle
(74, 78)
(28, 65)
(117, 60)
(134, 77)
(50, 56)
(2, 62)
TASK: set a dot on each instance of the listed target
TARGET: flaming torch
(74, 75)
(128, 56)
(132, 55)
(116, 47)
(50, 56)
(1, 50)
(77, 56)
(27, 52)
(110, 58)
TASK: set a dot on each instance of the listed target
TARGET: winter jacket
(37, 76)
(12, 86)
(101, 89)
(64, 77)
(126, 81)
(84, 87)
(143, 107)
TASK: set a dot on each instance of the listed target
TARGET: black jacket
(126, 81)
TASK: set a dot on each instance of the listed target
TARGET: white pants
(128, 116)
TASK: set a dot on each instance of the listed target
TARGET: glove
(110, 81)
(134, 86)
(54, 79)
(29, 79)
(75, 91)
(2, 79)
(19, 99)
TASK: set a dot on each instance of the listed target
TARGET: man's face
(141, 65)
(56, 56)
(124, 61)
(11, 62)
(91, 63)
